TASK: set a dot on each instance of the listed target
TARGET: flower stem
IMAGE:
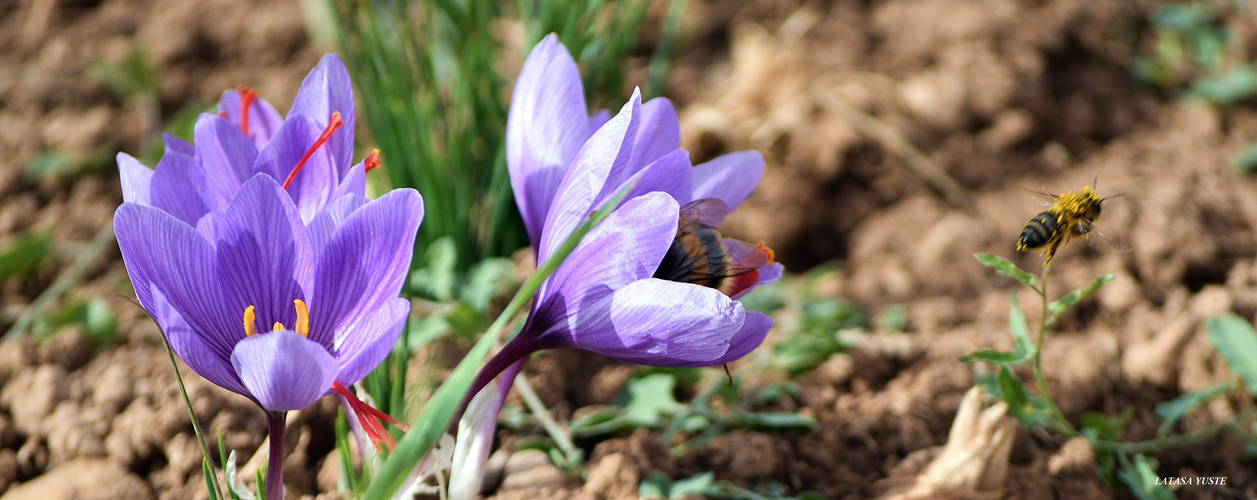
(275, 465)
(1058, 419)
(539, 410)
(1175, 441)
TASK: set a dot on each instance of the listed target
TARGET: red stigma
(370, 419)
(222, 114)
(333, 124)
(373, 160)
(247, 95)
(764, 248)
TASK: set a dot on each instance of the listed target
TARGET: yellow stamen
(303, 318)
(278, 326)
(250, 322)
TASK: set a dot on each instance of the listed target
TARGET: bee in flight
(1070, 216)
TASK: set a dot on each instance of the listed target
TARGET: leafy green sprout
(1233, 338)
(1191, 52)
(657, 486)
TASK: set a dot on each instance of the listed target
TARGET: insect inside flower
(699, 255)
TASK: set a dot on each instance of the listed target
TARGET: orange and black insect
(699, 255)
(1071, 215)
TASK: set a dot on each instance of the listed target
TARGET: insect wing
(709, 212)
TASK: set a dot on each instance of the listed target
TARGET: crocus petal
(313, 186)
(226, 156)
(178, 186)
(547, 125)
(752, 334)
(261, 247)
(263, 119)
(606, 154)
(328, 89)
(656, 322)
(730, 177)
(669, 174)
(193, 349)
(475, 435)
(176, 145)
(363, 345)
(659, 133)
(771, 273)
(323, 226)
(162, 253)
(290, 142)
(135, 179)
(354, 182)
(625, 248)
(283, 370)
(597, 120)
(366, 260)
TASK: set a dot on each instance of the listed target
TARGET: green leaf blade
(1006, 268)
(1236, 341)
(1060, 307)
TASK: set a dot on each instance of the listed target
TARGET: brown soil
(1004, 96)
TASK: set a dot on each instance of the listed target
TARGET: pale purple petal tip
(750, 336)
(730, 177)
(362, 346)
(283, 370)
(547, 125)
(136, 179)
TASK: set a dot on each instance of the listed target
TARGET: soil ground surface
(852, 102)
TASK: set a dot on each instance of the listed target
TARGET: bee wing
(744, 257)
(1101, 241)
(708, 211)
(1046, 198)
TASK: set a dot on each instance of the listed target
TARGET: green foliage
(1245, 161)
(649, 402)
(1100, 427)
(1236, 341)
(1025, 349)
(24, 255)
(658, 486)
(98, 320)
(651, 399)
(1058, 308)
(134, 76)
(601, 36)
(61, 165)
(1031, 410)
(1006, 268)
(1174, 410)
(1140, 476)
(431, 97)
(814, 339)
(1192, 52)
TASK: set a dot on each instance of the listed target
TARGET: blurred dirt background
(901, 136)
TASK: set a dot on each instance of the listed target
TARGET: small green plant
(1191, 51)
(657, 486)
(649, 402)
(1116, 460)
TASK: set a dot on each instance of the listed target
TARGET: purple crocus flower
(565, 164)
(246, 138)
(267, 306)
(654, 283)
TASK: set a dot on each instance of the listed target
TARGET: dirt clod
(82, 479)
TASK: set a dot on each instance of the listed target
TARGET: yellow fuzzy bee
(1071, 215)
